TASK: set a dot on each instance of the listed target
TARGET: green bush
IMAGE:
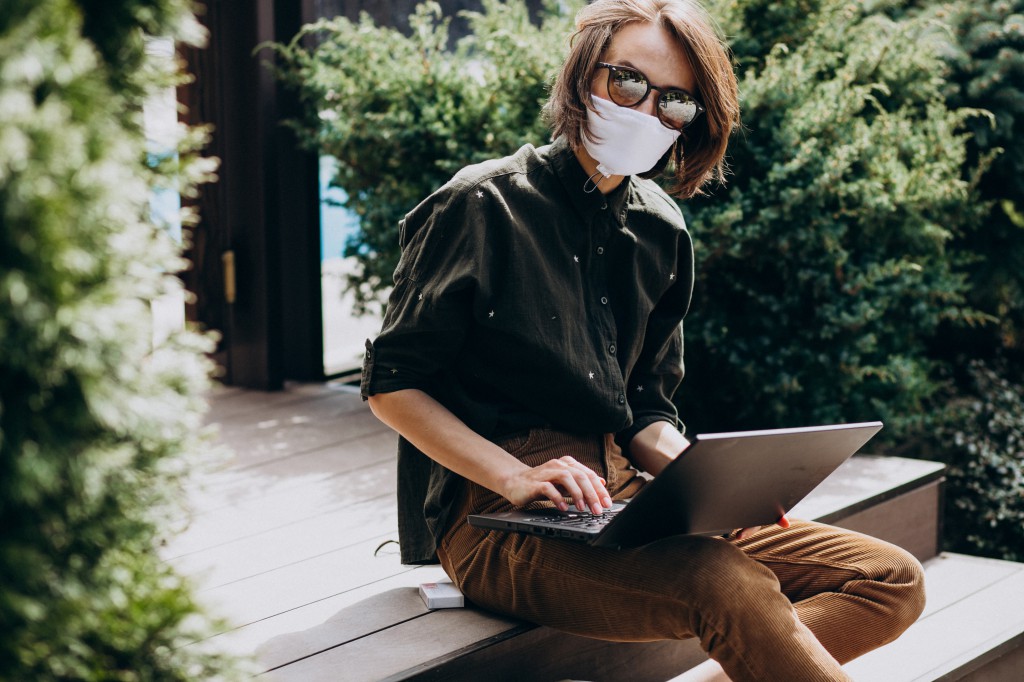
(986, 59)
(864, 157)
(975, 425)
(980, 436)
(403, 114)
(824, 267)
(97, 418)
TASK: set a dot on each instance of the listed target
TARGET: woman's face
(652, 50)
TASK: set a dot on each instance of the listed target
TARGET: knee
(901, 589)
(914, 592)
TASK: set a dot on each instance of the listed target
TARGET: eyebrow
(633, 66)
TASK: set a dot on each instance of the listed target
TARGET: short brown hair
(699, 152)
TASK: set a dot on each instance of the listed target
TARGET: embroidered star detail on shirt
(639, 389)
(490, 314)
(672, 276)
(479, 194)
(591, 375)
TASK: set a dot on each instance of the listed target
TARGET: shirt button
(604, 300)
(611, 349)
(622, 399)
(604, 205)
(600, 250)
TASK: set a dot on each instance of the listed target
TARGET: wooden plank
(1006, 668)
(864, 481)
(399, 648)
(546, 654)
(229, 402)
(304, 582)
(271, 436)
(958, 637)
(241, 405)
(244, 641)
(240, 485)
(379, 612)
(286, 508)
(950, 578)
(305, 539)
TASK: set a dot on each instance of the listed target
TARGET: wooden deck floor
(290, 523)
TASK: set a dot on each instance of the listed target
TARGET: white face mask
(627, 141)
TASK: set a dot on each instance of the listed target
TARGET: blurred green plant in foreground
(98, 418)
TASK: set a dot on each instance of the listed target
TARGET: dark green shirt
(520, 301)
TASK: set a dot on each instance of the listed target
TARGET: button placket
(604, 329)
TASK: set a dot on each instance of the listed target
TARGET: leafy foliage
(981, 436)
(98, 418)
(403, 114)
(986, 58)
(823, 266)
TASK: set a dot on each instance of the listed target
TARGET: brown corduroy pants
(784, 604)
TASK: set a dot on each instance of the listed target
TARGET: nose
(649, 105)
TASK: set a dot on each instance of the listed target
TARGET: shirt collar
(573, 178)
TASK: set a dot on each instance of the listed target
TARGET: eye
(628, 86)
(677, 107)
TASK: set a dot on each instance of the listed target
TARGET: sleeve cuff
(373, 381)
(624, 437)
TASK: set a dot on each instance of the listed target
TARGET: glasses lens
(677, 108)
(627, 87)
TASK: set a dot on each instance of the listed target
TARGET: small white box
(441, 595)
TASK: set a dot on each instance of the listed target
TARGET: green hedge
(985, 54)
(824, 267)
(97, 420)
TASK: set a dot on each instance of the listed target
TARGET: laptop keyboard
(582, 520)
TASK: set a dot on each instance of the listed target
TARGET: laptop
(722, 482)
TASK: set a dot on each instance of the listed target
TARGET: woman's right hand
(443, 437)
(555, 480)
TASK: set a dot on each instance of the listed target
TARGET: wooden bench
(392, 636)
(286, 540)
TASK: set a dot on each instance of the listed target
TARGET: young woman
(530, 351)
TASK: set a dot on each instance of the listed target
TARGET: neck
(589, 163)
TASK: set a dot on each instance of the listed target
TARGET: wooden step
(897, 499)
(971, 629)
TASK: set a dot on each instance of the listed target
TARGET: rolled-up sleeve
(659, 369)
(429, 309)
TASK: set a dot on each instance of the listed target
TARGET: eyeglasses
(628, 87)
